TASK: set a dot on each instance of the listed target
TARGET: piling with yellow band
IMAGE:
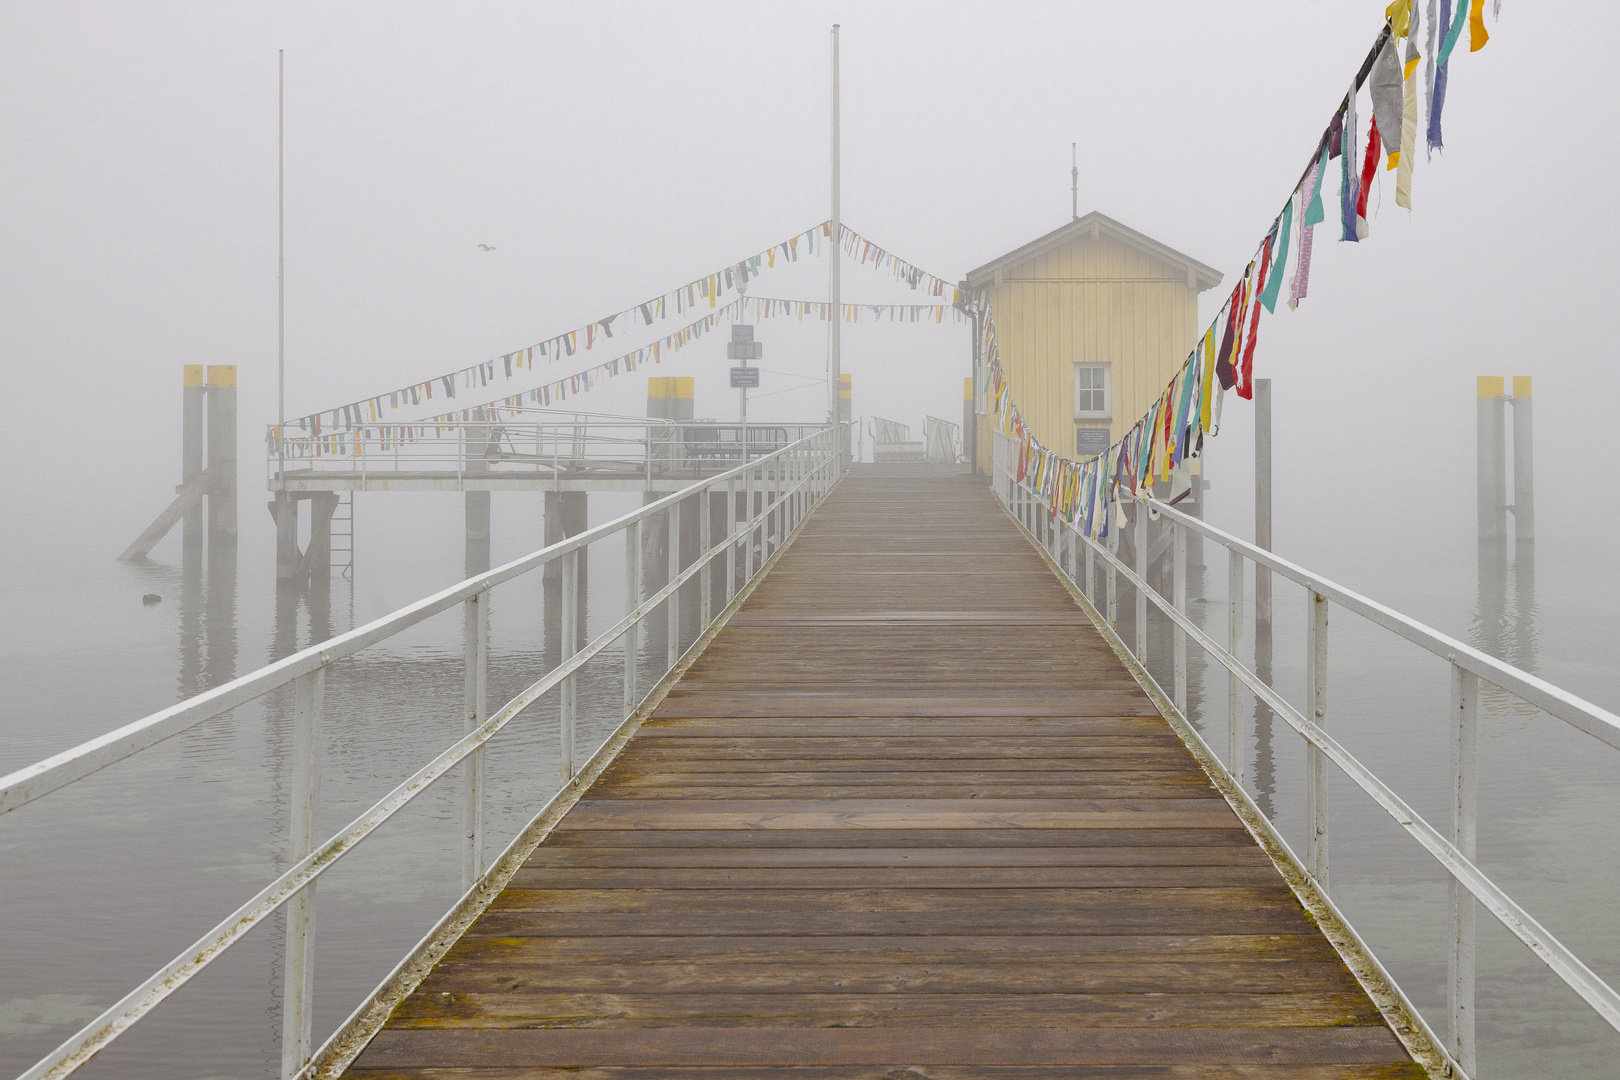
(193, 395)
(1491, 464)
(221, 390)
(670, 398)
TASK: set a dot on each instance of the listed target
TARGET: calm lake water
(106, 880)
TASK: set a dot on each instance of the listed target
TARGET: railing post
(1113, 583)
(298, 994)
(1178, 597)
(1091, 567)
(748, 522)
(1139, 542)
(1234, 621)
(731, 539)
(570, 642)
(475, 654)
(672, 525)
(1316, 777)
(776, 500)
(1460, 985)
(705, 604)
(632, 587)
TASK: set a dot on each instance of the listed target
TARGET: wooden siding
(1090, 301)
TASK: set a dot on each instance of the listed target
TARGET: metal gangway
(942, 441)
(891, 441)
(776, 491)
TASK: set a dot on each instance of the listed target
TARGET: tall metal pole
(837, 380)
(281, 262)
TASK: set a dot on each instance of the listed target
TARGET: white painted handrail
(790, 483)
(1455, 855)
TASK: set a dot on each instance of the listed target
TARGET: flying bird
(486, 247)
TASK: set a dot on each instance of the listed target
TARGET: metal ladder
(343, 536)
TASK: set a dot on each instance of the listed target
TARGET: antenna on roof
(1074, 176)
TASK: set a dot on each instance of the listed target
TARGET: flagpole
(835, 406)
(281, 262)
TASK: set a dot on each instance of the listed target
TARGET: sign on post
(745, 378)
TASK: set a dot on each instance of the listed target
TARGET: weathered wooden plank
(954, 839)
(892, 858)
(755, 703)
(1207, 813)
(1146, 728)
(890, 877)
(906, 818)
(448, 1009)
(1396, 1071)
(485, 975)
(963, 1045)
(933, 949)
(1025, 759)
(516, 921)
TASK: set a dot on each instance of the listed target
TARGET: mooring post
(298, 986)
(222, 460)
(1524, 460)
(193, 396)
(1491, 459)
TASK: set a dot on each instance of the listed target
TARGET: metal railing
(941, 441)
(785, 486)
(1078, 556)
(525, 443)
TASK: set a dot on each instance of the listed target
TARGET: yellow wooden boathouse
(1092, 321)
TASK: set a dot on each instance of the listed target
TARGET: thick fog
(463, 180)
(610, 153)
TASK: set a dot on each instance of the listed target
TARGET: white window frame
(1107, 411)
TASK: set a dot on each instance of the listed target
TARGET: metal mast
(837, 381)
(281, 262)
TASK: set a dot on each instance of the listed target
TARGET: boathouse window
(1091, 390)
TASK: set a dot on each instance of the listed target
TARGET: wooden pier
(907, 817)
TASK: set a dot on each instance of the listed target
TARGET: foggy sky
(611, 152)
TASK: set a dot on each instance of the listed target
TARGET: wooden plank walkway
(907, 817)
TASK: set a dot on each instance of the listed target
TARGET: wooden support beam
(188, 495)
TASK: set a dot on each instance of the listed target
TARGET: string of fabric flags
(705, 291)
(1173, 430)
(711, 287)
(353, 438)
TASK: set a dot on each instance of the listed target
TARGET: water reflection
(1506, 619)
